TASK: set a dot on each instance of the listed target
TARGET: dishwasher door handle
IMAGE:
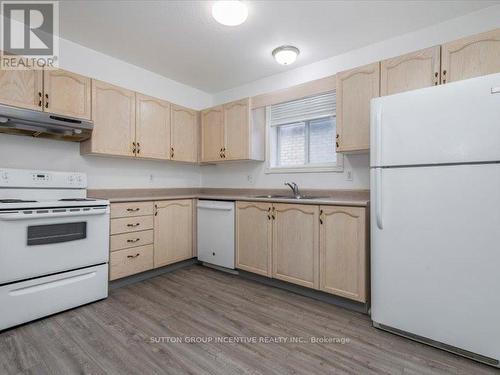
(215, 208)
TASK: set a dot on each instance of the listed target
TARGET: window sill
(315, 169)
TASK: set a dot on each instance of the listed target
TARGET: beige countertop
(358, 198)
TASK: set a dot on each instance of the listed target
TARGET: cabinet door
(184, 134)
(21, 88)
(355, 89)
(67, 94)
(212, 134)
(237, 130)
(343, 257)
(152, 129)
(113, 112)
(471, 57)
(295, 244)
(173, 232)
(254, 237)
(411, 71)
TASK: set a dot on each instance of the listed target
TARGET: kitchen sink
(270, 196)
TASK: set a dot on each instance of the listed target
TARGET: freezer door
(453, 123)
(435, 253)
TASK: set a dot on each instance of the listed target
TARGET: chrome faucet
(295, 189)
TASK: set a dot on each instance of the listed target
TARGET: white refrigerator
(435, 216)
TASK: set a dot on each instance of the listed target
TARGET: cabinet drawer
(130, 261)
(126, 240)
(131, 209)
(131, 224)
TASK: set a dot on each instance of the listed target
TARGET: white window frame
(271, 144)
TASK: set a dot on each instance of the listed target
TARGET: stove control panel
(25, 178)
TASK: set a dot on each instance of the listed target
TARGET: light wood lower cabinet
(173, 231)
(296, 244)
(254, 237)
(130, 261)
(343, 252)
(319, 247)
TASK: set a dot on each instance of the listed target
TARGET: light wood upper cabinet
(254, 237)
(173, 231)
(212, 134)
(152, 127)
(22, 88)
(67, 94)
(233, 132)
(355, 89)
(113, 113)
(184, 134)
(237, 130)
(411, 71)
(343, 252)
(296, 244)
(471, 57)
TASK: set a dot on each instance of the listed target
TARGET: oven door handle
(49, 215)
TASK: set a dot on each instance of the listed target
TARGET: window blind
(303, 109)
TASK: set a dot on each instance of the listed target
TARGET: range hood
(43, 125)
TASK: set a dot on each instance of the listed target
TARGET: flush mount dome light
(230, 12)
(285, 55)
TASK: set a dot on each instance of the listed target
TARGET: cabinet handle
(274, 214)
(321, 216)
(134, 148)
(138, 148)
(436, 78)
(133, 256)
(337, 144)
(39, 99)
(444, 76)
(46, 100)
(134, 241)
(269, 213)
(156, 210)
(221, 155)
(171, 152)
(133, 225)
(224, 153)
(133, 209)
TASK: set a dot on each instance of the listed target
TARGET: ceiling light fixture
(285, 55)
(230, 12)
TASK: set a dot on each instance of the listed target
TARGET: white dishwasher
(216, 233)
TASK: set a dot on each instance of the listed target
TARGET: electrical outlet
(250, 179)
(348, 174)
(151, 178)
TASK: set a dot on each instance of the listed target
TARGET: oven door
(45, 241)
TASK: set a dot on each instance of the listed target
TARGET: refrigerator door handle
(378, 136)
(378, 197)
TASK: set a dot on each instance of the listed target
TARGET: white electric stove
(54, 244)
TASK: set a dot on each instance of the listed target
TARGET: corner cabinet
(212, 134)
(355, 89)
(230, 132)
(343, 252)
(296, 244)
(152, 128)
(113, 113)
(173, 231)
(254, 237)
(471, 57)
(184, 134)
(412, 71)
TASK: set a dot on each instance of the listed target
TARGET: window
(301, 136)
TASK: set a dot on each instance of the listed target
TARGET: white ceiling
(180, 39)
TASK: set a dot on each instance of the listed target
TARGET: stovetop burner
(76, 200)
(15, 201)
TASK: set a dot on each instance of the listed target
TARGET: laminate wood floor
(117, 335)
